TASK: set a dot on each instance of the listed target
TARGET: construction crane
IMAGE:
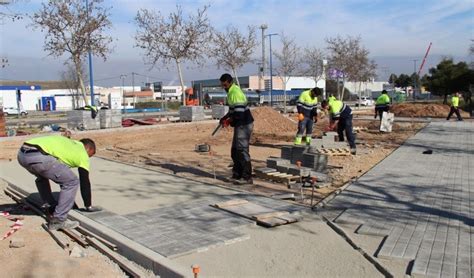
(424, 59)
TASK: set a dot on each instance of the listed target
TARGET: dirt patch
(41, 256)
(434, 110)
(171, 148)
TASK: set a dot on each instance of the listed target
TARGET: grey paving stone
(424, 196)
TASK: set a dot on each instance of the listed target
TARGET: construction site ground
(170, 148)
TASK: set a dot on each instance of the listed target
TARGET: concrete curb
(138, 253)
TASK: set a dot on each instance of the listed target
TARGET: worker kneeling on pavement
(307, 114)
(341, 118)
(382, 104)
(50, 158)
(241, 119)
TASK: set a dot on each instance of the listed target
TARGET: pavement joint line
(340, 231)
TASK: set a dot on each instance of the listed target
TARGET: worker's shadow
(198, 172)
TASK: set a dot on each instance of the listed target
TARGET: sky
(396, 32)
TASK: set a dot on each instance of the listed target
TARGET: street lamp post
(91, 78)
(262, 69)
(271, 67)
(123, 76)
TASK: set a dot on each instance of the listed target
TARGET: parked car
(364, 101)
(14, 111)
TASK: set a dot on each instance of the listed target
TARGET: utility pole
(262, 69)
(271, 68)
(91, 77)
(414, 79)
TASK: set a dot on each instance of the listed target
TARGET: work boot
(244, 182)
(308, 140)
(298, 140)
(56, 224)
(92, 209)
(353, 151)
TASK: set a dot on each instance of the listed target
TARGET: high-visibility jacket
(455, 101)
(239, 111)
(338, 109)
(383, 99)
(306, 104)
(331, 99)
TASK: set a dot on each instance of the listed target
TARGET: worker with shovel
(340, 119)
(307, 114)
(50, 158)
(239, 117)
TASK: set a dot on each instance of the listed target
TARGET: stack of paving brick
(312, 163)
(218, 111)
(81, 119)
(329, 141)
(191, 113)
(110, 118)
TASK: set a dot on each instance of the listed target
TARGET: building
(253, 83)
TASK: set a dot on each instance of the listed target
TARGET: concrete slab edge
(138, 253)
(340, 231)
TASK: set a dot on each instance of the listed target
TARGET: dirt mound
(434, 110)
(269, 121)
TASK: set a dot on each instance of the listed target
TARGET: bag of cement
(387, 122)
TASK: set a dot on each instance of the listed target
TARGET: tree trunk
(78, 66)
(234, 71)
(284, 94)
(180, 73)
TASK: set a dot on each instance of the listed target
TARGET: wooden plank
(101, 239)
(57, 237)
(234, 202)
(126, 265)
(272, 222)
(76, 236)
(270, 215)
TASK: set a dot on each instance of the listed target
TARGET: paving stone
(448, 271)
(425, 199)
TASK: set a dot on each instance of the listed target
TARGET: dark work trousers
(240, 152)
(305, 124)
(454, 110)
(45, 168)
(380, 109)
(345, 124)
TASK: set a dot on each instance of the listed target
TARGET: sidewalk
(422, 203)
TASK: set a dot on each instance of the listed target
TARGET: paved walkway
(423, 203)
(170, 216)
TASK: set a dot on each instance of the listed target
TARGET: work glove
(224, 122)
(300, 117)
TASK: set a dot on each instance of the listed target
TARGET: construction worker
(331, 98)
(50, 158)
(340, 120)
(94, 110)
(307, 114)
(455, 107)
(239, 117)
(382, 104)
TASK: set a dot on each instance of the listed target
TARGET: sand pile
(434, 110)
(269, 121)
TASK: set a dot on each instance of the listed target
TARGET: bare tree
(6, 11)
(233, 49)
(348, 56)
(312, 63)
(289, 61)
(70, 80)
(173, 39)
(73, 29)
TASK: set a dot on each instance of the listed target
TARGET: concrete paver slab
(423, 203)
